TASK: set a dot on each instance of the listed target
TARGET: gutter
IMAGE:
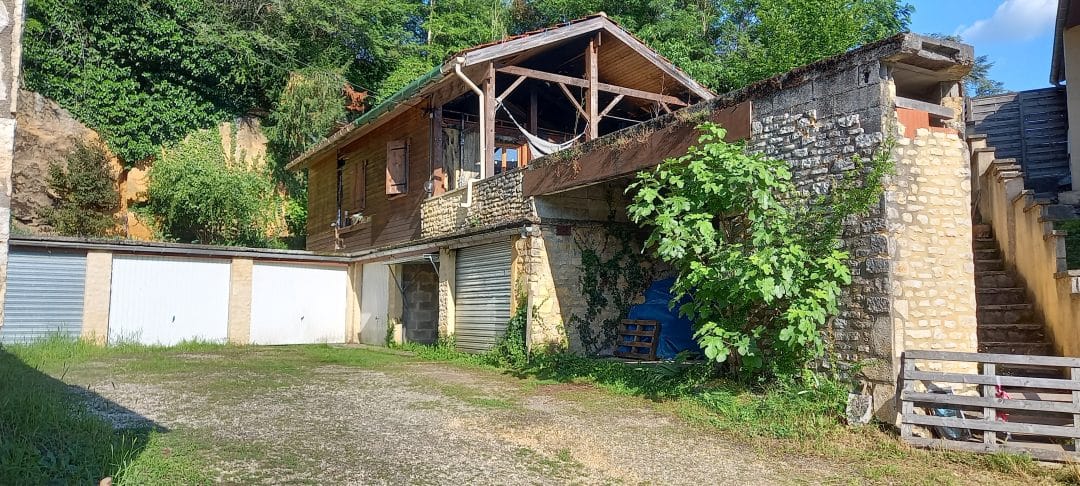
(458, 62)
(1057, 69)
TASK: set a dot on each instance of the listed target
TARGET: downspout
(483, 127)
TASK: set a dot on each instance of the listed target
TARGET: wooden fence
(1043, 412)
(1029, 126)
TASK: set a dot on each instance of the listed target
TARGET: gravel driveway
(401, 421)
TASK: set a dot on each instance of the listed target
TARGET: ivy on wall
(613, 274)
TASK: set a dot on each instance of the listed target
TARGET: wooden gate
(1039, 394)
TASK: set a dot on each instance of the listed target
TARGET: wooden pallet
(1044, 413)
(638, 339)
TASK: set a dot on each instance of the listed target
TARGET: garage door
(167, 300)
(298, 304)
(44, 294)
(482, 296)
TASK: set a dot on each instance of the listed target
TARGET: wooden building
(488, 110)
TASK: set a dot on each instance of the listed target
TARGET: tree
(85, 196)
(760, 262)
(978, 82)
(196, 196)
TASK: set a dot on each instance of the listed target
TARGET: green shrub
(760, 261)
(196, 196)
(85, 196)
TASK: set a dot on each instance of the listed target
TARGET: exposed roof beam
(570, 97)
(581, 83)
(611, 105)
(510, 89)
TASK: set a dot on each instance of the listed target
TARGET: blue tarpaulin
(676, 332)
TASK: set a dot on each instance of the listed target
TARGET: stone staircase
(1007, 322)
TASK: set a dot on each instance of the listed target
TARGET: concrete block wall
(420, 305)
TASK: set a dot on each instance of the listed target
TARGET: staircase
(1007, 323)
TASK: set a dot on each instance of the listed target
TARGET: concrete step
(994, 278)
(984, 244)
(1005, 314)
(992, 265)
(1001, 295)
(1025, 332)
(1039, 349)
(987, 254)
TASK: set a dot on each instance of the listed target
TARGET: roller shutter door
(44, 294)
(482, 296)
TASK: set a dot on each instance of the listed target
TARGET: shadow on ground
(55, 433)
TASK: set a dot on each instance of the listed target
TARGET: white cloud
(1014, 20)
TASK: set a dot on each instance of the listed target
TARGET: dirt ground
(398, 421)
(330, 415)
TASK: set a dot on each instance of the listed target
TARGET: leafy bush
(85, 196)
(196, 196)
(511, 350)
(761, 264)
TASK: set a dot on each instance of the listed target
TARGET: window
(397, 167)
(360, 190)
(506, 158)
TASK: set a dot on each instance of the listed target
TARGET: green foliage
(86, 199)
(612, 282)
(511, 350)
(1072, 242)
(760, 263)
(728, 44)
(148, 73)
(197, 196)
(310, 105)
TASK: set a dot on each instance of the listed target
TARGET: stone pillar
(447, 276)
(97, 292)
(11, 26)
(352, 303)
(240, 301)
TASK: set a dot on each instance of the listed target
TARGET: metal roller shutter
(482, 296)
(44, 294)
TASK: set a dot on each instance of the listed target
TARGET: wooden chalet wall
(392, 219)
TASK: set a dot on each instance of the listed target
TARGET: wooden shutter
(360, 191)
(397, 167)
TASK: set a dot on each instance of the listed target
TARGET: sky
(1016, 35)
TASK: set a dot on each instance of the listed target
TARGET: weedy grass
(48, 437)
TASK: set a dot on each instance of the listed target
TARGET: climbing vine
(612, 275)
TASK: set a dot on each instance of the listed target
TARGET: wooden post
(532, 118)
(592, 100)
(989, 413)
(438, 165)
(906, 407)
(1074, 374)
(488, 152)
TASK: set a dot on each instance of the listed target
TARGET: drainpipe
(483, 126)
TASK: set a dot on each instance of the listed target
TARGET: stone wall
(819, 128)
(929, 222)
(496, 201)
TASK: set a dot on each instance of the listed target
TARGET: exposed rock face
(45, 132)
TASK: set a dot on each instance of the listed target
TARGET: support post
(989, 413)
(1074, 375)
(906, 407)
(438, 173)
(488, 151)
(592, 100)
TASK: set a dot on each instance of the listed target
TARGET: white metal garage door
(298, 303)
(44, 294)
(482, 296)
(374, 300)
(166, 300)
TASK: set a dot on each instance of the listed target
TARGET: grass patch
(47, 436)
